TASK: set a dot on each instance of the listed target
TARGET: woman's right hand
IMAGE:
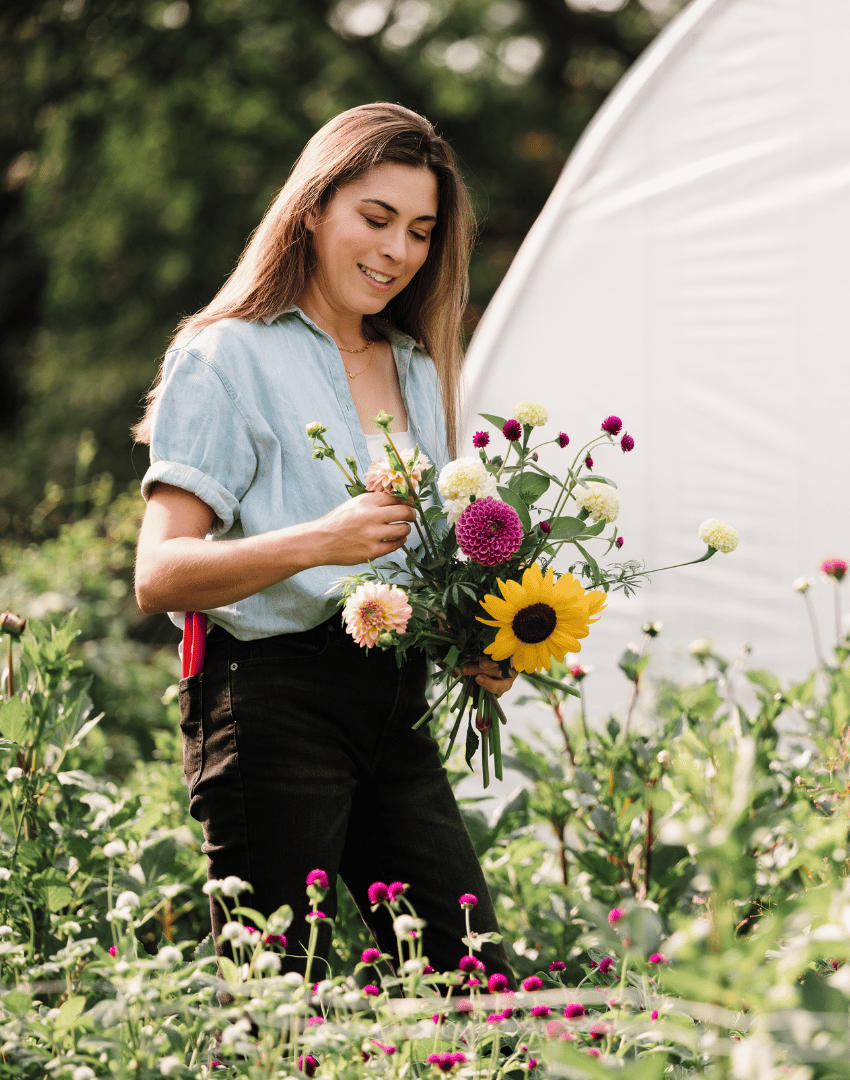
(361, 529)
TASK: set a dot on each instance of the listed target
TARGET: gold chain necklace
(355, 352)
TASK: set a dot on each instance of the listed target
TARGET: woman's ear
(311, 219)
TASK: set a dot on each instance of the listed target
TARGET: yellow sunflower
(540, 618)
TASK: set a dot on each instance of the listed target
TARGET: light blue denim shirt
(229, 426)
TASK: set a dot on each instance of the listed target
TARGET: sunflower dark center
(534, 623)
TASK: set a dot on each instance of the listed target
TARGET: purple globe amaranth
(612, 425)
(468, 900)
(489, 531)
(574, 1011)
(470, 963)
(512, 430)
(369, 956)
(480, 439)
(545, 527)
(627, 443)
(378, 892)
(563, 439)
(557, 965)
(619, 541)
(318, 878)
(497, 983)
(588, 461)
(532, 983)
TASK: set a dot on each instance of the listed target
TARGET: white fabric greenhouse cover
(690, 274)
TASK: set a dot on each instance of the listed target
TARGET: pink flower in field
(658, 958)
(619, 541)
(470, 963)
(480, 439)
(395, 889)
(654, 1014)
(387, 1048)
(563, 439)
(540, 1010)
(446, 1061)
(371, 990)
(545, 527)
(315, 916)
(314, 1021)
(369, 956)
(468, 900)
(473, 982)
(557, 965)
(532, 1063)
(532, 983)
(614, 915)
(835, 568)
(381, 476)
(378, 892)
(497, 983)
(606, 965)
(578, 672)
(112, 950)
(627, 443)
(556, 1029)
(612, 425)
(374, 608)
(588, 461)
(464, 1006)
(574, 1011)
(307, 1064)
(489, 531)
(318, 878)
(275, 939)
(593, 1052)
(427, 970)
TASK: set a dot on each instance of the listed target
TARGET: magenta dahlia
(489, 531)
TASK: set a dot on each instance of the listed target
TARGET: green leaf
(15, 718)
(472, 742)
(766, 680)
(17, 1002)
(229, 971)
(69, 1011)
(595, 530)
(533, 486)
(512, 498)
(565, 528)
(205, 949)
(499, 421)
(53, 889)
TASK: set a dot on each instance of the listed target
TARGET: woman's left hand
(488, 676)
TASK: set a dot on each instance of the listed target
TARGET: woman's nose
(394, 244)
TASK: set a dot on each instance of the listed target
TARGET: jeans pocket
(192, 727)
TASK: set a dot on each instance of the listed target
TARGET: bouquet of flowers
(481, 581)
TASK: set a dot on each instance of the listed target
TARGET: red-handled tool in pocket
(194, 642)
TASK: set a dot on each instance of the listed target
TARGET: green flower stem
(485, 758)
(415, 502)
(814, 625)
(439, 701)
(692, 562)
(312, 941)
(10, 676)
(496, 717)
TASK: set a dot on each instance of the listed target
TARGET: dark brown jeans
(300, 754)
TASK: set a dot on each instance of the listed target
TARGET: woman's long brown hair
(275, 267)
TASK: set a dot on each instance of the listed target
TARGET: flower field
(673, 896)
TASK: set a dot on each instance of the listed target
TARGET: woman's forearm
(186, 573)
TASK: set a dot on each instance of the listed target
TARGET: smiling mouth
(381, 279)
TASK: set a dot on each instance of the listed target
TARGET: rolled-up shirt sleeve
(200, 441)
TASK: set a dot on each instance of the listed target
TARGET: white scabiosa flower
(600, 500)
(114, 848)
(13, 774)
(293, 978)
(170, 955)
(531, 413)
(405, 924)
(267, 961)
(719, 536)
(233, 886)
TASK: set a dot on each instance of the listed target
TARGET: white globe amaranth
(170, 955)
(406, 924)
(169, 1064)
(233, 886)
(13, 774)
(114, 848)
(600, 500)
(719, 536)
(531, 413)
(267, 961)
(802, 584)
(83, 1072)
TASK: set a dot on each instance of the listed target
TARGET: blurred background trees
(141, 141)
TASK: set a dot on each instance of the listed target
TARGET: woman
(298, 745)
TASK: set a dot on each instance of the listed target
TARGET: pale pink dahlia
(374, 608)
(489, 531)
(381, 476)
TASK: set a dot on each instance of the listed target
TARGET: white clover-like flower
(5, 930)
(802, 584)
(600, 500)
(267, 961)
(233, 886)
(168, 1064)
(5, 873)
(83, 1072)
(531, 413)
(127, 900)
(404, 924)
(293, 978)
(414, 966)
(114, 848)
(211, 888)
(719, 536)
(700, 648)
(13, 774)
(465, 477)
(70, 927)
(170, 955)
(315, 428)
(234, 931)
(121, 967)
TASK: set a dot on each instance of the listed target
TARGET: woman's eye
(420, 236)
(376, 224)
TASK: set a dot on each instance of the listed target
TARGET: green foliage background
(141, 141)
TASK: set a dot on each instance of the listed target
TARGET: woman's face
(372, 238)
